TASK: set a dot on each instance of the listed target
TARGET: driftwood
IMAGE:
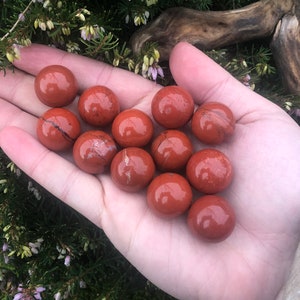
(211, 29)
(215, 29)
(286, 50)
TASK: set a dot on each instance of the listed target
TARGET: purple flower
(160, 72)
(246, 80)
(67, 261)
(21, 17)
(4, 247)
(89, 32)
(154, 71)
(5, 256)
(26, 294)
(19, 296)
(38, 291)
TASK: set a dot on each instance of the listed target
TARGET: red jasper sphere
(209, 171)
(98, 105)
(58, 128)
(171, 150)
(132, 128)
(169, 195)
(93, 151)
(213, 122)
(211, 218)
(56, 86)
(132, 169)
(172, 107)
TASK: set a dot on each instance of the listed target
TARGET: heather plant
(48, 251)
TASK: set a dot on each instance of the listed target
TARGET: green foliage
(45, 244)
(242, 61)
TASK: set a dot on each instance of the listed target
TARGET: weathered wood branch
(286, 51)
(211, 29)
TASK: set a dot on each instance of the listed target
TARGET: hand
(254, 261)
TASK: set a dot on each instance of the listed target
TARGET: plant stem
(17, 22)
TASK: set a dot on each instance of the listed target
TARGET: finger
(57, 175)
(207, 81)
(10, 115)
(17, 88)
(130, 88)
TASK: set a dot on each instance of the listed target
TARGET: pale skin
(254, 262)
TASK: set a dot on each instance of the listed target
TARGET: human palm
(254, 261)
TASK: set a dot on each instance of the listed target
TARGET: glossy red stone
(98, 106)
(132, 128)
(169, 195)
(56, 86)
(132, 169)
(209, 171)
(93, 151)
(211, 218)
(212, 123)
(58, 128)
(171, 150)
(172, 107)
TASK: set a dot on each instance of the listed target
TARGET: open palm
(254, 261)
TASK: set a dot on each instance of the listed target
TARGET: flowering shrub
(74, 29)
